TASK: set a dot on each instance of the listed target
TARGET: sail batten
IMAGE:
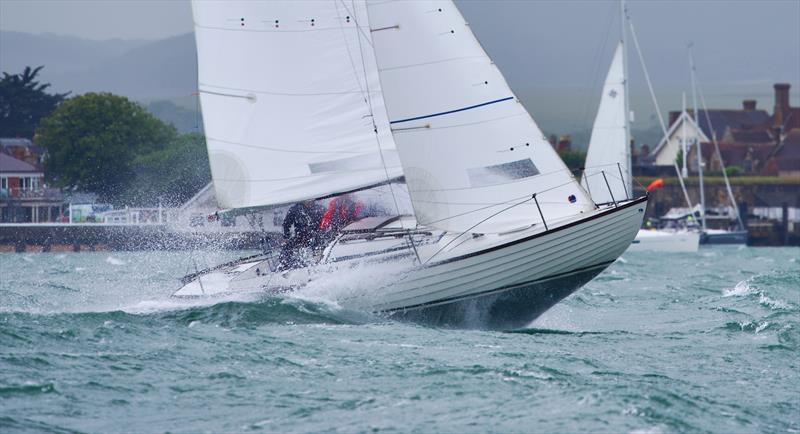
(468, 148)
(292, 105)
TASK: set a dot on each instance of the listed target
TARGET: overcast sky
(742, 46)
(755, 38)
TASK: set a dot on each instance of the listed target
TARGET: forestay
(289, 92)
(608, 146)
(468, 147)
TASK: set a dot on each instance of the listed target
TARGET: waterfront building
(751, 141)
(24, 197)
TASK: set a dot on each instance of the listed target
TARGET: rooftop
(9, 164)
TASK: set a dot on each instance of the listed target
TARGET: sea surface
(658, 343)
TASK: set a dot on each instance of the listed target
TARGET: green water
(707, 342)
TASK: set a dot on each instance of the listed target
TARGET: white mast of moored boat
(684, 148)
(697, 144)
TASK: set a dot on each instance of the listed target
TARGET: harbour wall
(78, 237)
(749, 192)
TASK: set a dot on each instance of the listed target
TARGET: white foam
(741, 288)
(175, 304)
(649, 430)
(775, 304)
(114, 261)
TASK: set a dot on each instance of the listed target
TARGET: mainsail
(607, 176)
(291, 101)
(472, 155)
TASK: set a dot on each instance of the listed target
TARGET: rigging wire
(596, 70)
(657, 107)
(719, 154)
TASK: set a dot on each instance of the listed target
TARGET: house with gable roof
(24, 197)
(750, 138)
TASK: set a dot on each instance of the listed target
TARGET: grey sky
(746, 40)
(98, 19)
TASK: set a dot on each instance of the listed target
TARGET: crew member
(341, 211)
(300, 229)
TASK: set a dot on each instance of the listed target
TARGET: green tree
(733, 170)
(573, 159)
(23, 102)
(172, 175)
(93, 139)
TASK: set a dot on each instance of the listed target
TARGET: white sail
(468, 147)
(608, 145)
(289, 93)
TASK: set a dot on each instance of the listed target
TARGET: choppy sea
(658, 343)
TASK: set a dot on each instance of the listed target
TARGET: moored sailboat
(608, 175)
(501, 229)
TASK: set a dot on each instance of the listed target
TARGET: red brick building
(749, 138)
(23, 196)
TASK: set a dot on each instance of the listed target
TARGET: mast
(624, 17)
(697, 142)
(683, 136)
(719, 155)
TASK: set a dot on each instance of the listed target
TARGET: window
(4, 183)
(501, 173)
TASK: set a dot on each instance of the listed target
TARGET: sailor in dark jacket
(301, 231)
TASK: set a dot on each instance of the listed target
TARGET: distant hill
(60, 54)
(561, 90)
(162, 69)
(141, 70)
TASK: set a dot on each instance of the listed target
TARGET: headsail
(289, 92)
(609, 145)
(468, 147)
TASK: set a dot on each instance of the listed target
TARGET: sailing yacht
(710, 236)
(307, 100)
(608, 175)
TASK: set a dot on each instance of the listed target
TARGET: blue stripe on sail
(452, 111)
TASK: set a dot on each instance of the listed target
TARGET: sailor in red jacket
(341, 211)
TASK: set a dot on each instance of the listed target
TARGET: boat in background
(307, 100)
(665, 240)
(608, 175)
(713, 236)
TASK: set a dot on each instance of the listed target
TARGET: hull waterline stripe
(452, 111)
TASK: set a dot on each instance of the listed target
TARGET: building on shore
(751, 141)
(24, 197)
(23, 149)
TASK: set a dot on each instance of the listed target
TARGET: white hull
(504, 285)
(648, 240)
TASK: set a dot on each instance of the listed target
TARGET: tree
(172, 175)
(573, 159)
(23, 102)
(92, 141)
